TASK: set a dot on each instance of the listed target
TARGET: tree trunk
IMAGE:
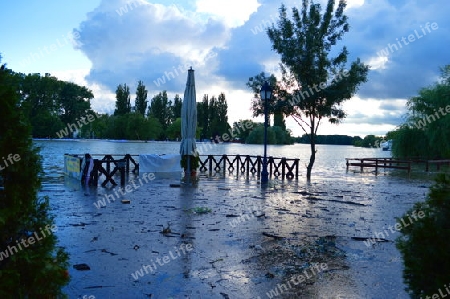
(312, 158)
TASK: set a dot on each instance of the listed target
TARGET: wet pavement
(231, 238)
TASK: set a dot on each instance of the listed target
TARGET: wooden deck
(393, 163)
(379, 163)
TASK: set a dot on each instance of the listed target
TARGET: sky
(103, 43)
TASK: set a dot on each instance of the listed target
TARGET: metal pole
(264, 173)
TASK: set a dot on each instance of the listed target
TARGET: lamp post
(266, 93)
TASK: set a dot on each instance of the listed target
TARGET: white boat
(386, 145)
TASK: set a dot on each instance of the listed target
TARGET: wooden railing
(395, 163)
(379, 163)
(282, 168)
(110, 165)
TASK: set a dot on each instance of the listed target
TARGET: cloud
(226, 11)
(387, 119)
(147, 42)
(407, 66)
(157, 43)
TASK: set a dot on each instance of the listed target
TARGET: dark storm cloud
(378, 28)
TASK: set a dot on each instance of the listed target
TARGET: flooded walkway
(229, 238)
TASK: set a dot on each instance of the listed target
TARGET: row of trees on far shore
(51, 105)
(367, 141)
(159, 118)
(58, 109)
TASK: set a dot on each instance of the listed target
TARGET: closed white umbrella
(189, 120)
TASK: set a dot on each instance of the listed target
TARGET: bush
(425, 245)
(194, 162)
(31, 266)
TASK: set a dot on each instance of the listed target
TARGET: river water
(330, 159)
(321, 217)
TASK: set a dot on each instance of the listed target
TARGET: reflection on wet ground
(289, 240)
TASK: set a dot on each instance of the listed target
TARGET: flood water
(247, 241)
(330, 159)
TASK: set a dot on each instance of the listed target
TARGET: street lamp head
(266, 91)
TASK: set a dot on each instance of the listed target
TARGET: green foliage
(391, 135)
(411, 142)
(201, 210)
(357, 141)
(50, 104)
(160, 108)
(278, 120)
(330, 139)
(368, 141)
(176, 107)
(140, 104)
(140, 128)
(257, 135)
(37, 270)
(174, 130)
(203, 118)
(275, 135)
(243, 128)
(194, 162)
(314, 83)
(131, 126)
(74, 102)
(276, 105)
(212, 116)
(123, 104)
(46, 125)
(424, 243)
(218, 115)
(425, 132)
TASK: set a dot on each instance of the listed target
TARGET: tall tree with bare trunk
(314, 74)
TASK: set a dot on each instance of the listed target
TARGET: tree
(314, 82)
(275, 104)
(256, 136)
(160, 109)
(174, 130)
(411, 142)
(218, 116)
(278, 120)
(425, 131)
(37, 268)
(74, 102)
(140, 104)
(140, 128)
(242, 129)
(176, 107)
(123, 105)
(39, 102)
(203, 118)
(424, 242)
(97, 128)
(369, 141)
(50, 104)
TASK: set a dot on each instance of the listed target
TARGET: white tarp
(157, 163)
